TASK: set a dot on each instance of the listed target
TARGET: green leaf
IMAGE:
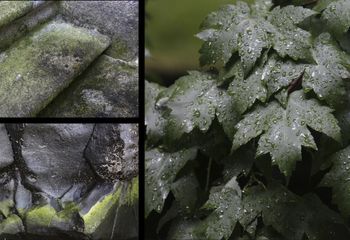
(279, 73)
(153, 119)
(293, 216)
(182, 229)
(339, 179)
(246, 91)
(185, 191)
(326, 78)
(225, 205)
(161, 169)
(288, 39)
(337, 16)
(321, 5)
(235, 28)
(284, 131)
(219, 35)
(194, 101)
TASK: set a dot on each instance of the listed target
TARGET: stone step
(116, 19)
(109, 88)
(35, 69)
(40, 13)
(11, 10)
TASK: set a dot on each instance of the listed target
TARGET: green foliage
(256, 144)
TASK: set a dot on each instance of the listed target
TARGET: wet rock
(114, 215)
(36, 68)
(46, 220)
(7, 190)
(11, 225)
(54, 191)
(23, 197)
(117, 19)
(53, 153)
(6, 154)
(108, 89)
(113, 151)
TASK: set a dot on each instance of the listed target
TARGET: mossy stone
(97, 214)
(39, 66)
(11, 225)
(11, 10)
(108, 89)
(43, 219)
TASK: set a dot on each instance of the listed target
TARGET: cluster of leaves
(255, 146)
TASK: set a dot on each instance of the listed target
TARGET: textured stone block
(38, 67)
(11, 10)
(109, 88)
(117, 19)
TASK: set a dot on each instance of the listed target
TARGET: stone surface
(6, 154)
(108, 89)
(7, 190)
(10, 10)
(46, 193)
(113, 151)
(117, 19)
(53, 154)
(111, 215)
(36, 68)
(22, 26)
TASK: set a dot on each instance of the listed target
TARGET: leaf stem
(208, 174)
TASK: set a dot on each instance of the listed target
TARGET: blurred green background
(170, 29)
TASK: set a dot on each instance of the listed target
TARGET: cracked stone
(53, 154)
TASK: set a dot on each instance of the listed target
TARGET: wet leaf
(337, 16)
(225, 205)
(153, 119)
(284, 131)
(238, 28)
(338, 178)
(161, 169)
(193, 102)
(326, 78)
(293, 216)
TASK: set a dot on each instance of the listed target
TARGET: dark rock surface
(113, 151)
(6, 154)
(53, 153)
(51, 191)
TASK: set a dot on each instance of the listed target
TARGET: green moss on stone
(5, 206)
(119, 50)
(132, 195)
(99, 211)
(40, 216)
(11, 225)
(36, 68)
(11, 10)
(45, 217)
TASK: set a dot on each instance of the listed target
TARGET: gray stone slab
(109, 88)
(117, 19)
(53, 154)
